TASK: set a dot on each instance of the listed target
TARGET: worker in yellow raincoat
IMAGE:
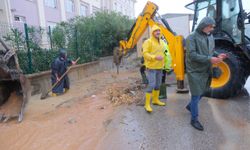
(153, 53)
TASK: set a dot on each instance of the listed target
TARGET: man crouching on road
(199, 59)
(153, 53)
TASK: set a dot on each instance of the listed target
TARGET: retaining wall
(41, 82)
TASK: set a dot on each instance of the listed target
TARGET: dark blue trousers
(194, 107)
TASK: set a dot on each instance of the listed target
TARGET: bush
(86, 37)
(92, 37)
(41, 60)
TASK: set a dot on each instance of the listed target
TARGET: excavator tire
(228, 77)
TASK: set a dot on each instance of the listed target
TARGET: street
(83, 75)
(84, 118)
(226, 122)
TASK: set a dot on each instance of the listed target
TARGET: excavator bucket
(13, 86)
(117, 57)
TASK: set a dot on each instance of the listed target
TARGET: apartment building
(125, 7)
(49, 12)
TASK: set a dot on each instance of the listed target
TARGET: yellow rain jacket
(152, 48)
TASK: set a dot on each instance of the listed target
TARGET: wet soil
(75, 120)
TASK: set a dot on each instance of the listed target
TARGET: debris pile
(119, 95)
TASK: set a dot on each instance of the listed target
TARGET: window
(246, 7)
(20, 19)
(84, 9)
(230, 11)
(70, 6)
(121, 9)
(50, 3)
(205, 8)
(95, 9)
(115, 6)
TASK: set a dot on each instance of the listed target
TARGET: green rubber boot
(144, 79)
(163, 91)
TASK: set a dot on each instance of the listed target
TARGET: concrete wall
(40, 82)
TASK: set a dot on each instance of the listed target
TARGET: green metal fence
(86, 37)
(35, 49)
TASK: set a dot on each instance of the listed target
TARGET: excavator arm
(135, 33)
(145, 20)
(141, 24)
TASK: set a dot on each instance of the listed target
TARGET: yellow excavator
(232, 36)
(175, 42)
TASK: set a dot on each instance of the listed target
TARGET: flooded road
(226, 123)
(84, 119)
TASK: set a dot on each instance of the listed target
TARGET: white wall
(5, 13)
(180, 25)
(125, 7)
(5, 18)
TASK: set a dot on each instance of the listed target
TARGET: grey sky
(165, 6)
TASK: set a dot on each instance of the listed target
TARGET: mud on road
(104, 112)
(76, 120)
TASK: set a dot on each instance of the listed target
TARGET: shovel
(45, 95)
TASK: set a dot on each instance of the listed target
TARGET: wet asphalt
(226, 124)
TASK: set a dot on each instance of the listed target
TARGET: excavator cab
(232, 36)
(230, 16)
(13, 85)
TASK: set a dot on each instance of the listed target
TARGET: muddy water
(74, 121)
(72, 126)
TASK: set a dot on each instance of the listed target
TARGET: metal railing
(35, 46)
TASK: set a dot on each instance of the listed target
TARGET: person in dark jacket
(59, 67)
(199, 59)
